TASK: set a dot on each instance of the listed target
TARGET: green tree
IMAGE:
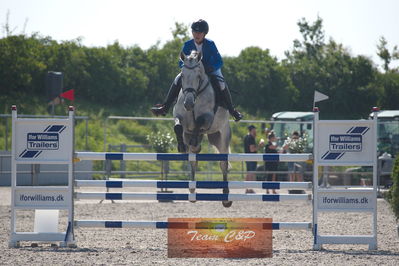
(388, 83)
(332, 70)
(113, 80)
(163, 64)
(313, 37)
(21, 65)
(130, 80)
(386, 55)
(263, 84)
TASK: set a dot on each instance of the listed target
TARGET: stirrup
(237, 115)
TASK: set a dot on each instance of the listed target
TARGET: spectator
(251, 147)
(271, 147)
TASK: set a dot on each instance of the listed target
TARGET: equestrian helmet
(200, 26)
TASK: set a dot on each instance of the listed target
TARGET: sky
(234, 25)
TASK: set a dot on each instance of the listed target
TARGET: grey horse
(196, 114)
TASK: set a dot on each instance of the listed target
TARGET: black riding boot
(162, 109)
(226, 97)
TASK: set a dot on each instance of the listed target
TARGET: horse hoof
(227, 204)
(193, 142)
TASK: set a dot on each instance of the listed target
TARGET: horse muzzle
(189, 101)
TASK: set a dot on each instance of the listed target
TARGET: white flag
(318, 97)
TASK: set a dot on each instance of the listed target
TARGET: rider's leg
(220, 85)
(170, 98)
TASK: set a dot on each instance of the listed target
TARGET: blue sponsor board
(346, 142)
(42, 141)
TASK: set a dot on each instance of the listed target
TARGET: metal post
(379, 172)
(242, 170)
(315, 188)
(35, 170)
(52, 108)
(13, 177)
(122, 162)
(105, 142)
(325, 183)
(375, 118)
(87, 133)
(162, 175)
(108, 168)
(6, 137)
(164, 178)
(105, 134)
(70, 237)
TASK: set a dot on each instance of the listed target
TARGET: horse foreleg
(178, 128)
(193, 166)
(221, 142)
(194, 138)
(224, 165)
(202, 123)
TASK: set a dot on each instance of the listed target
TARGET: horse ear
(182, 56)
(199, 56)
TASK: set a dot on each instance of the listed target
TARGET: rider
(212, 62)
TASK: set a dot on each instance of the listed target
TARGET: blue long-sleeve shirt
(211, 58)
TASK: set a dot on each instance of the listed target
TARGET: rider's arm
(215, 59)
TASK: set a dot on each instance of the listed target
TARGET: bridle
(200, 89)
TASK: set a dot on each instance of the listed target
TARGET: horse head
(192, 76)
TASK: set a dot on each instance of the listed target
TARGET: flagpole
(314, 99)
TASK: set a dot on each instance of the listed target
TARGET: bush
(161, 142)
(393, 195)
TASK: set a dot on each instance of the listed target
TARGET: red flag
(70, 95)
